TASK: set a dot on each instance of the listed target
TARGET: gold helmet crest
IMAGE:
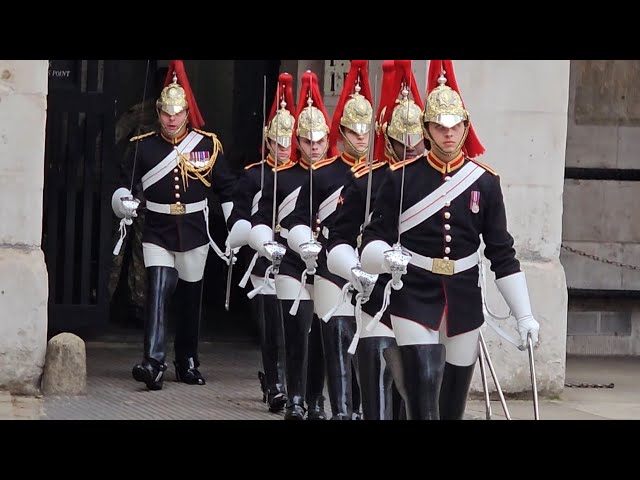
(405, 125)
(311, 123)
(173, 98)
(280, 128)
(357, 113)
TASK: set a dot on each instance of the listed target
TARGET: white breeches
(462, 349)
(257, 281)
(190, 264)
(327, 295)
(381, 330)
(287, 288)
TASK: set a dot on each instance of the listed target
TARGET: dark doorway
(76, 222)
(94, 107)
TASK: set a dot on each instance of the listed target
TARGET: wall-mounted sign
(63, 74)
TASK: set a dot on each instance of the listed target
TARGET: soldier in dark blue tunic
(246, 196)
(344, 236)
(176, 168)
(448, 201)
(352, 123)
(304, 358)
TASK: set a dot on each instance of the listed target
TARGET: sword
(310, 250)
(404, 161)
(370, 155)
(485, 384)
(398, 258)
(366, 281)
(128, 201)
(534, 387)
(231, 254)
(273, 248)
(144, 97)
(483, 346)
(229, 275)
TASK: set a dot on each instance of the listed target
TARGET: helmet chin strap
(272, 151)
(307, 158)
(390, 151)
(389, 148)
(439, 152)
(175, 135)
(352, 150)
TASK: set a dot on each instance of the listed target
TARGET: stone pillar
(519, 111)
(23, 274)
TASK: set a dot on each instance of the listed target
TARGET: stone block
(65, 370)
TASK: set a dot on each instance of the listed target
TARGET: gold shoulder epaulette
(217, 145)
(285, 166)
(324, 162)
(253, 165)
(363, 171)
(398, 165)
(138, 137)
(358, 166)
(486, 167)
(208, 134)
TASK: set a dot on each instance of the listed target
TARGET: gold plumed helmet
(353, 110)
(444, 105)
(406, 121)
(280, 128)
(312, 121)
(173, 98)
(402, 119)
(357, 113)
(281, 120)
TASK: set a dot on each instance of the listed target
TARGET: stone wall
(23, 274)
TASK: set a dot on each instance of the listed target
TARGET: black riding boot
(454, 391)
(296, 341)
(337, 335)
(315, 373)
(272, 380)
(187, 335)
(376, 380)
(417, 372)
(161, 283)
(356, 393)
(399, 412)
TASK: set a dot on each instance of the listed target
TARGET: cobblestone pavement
(232, 391)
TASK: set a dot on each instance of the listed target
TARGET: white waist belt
(444, 266)
(176, 208)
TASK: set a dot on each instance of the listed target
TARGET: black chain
(589, 385)
(599, 259)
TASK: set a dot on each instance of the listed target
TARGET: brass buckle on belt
(177, 209)
(442, 266)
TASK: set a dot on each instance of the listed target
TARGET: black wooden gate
(77, 219)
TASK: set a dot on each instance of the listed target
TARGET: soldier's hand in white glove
(515, 292)
(528, 325)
